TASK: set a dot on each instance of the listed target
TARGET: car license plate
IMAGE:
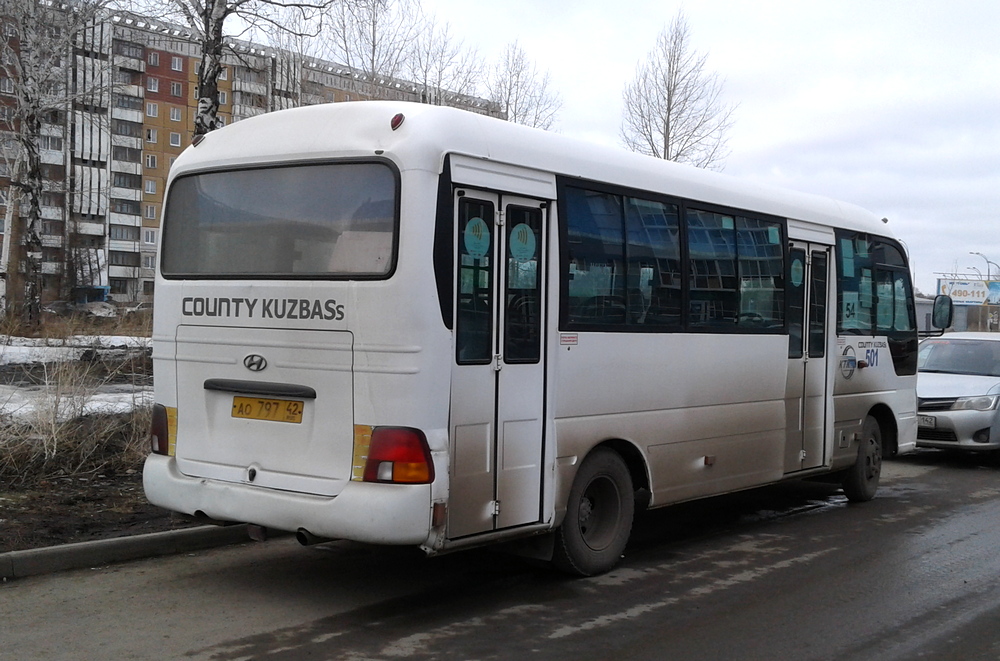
(277, 410)
(928, 421)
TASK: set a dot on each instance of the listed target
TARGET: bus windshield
(332, 220)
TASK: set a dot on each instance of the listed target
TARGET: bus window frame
(876, 267)
(902, 343)
(683, 204)
(286, 163)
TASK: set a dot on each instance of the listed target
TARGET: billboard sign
(971, 292)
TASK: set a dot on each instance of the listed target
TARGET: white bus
(406, 324)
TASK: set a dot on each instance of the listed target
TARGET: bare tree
(674, 108)
(47, 65)
(441, 64)
(210, 19)
(296, 32)
(373, 37)
(522, 90)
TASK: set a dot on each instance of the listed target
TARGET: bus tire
(861, 482)
(599, 516)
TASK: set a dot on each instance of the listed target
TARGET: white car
(958, 392)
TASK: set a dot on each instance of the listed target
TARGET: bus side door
(807, 385)
(497, 399)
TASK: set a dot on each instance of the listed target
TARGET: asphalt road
(788, 572)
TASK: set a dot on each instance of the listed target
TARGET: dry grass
(59, 438)
(63, 326)
(95, 444)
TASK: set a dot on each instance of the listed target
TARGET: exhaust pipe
(306, 538)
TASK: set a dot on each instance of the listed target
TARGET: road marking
(722, 583)
(414, 644)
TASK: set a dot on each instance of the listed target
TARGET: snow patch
(27, 402)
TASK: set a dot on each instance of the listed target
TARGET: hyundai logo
(255, 363)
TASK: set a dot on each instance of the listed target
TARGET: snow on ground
(24, 404)
(28, 402)
(22, 350)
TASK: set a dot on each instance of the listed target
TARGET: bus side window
(523, 317)
(855, 284)
(817, 306)
(596, 277)
(714, 297)
(796, 293)
(474, 321)
(761, 275)
(654, 263)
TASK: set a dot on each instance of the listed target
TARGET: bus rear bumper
(364, 512)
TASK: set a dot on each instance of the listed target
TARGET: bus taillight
(400, 455)
(159, 431)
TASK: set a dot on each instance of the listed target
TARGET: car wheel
(861, 482)
(598, 516)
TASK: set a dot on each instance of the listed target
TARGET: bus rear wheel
(599, 516)
(861, 481)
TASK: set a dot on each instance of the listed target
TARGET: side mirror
(943, 310)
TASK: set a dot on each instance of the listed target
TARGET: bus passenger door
(808, 361)
(497, 396)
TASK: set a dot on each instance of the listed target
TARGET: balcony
(313, 99)
(247, 86)
(123, 271)
(127, 167)
(51, 157)
(245, 112)
(131, 63)
(123, 246)
(127, 115)
(90, 229)
(126, 141)
(124, 219)
(126, 194)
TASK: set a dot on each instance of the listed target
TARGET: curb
(34, 562)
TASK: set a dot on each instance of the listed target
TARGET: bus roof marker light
(396, 121)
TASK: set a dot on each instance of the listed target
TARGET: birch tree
(297, 32)
(522, 90)
(213, 21)
(42, 73)
(673, 108)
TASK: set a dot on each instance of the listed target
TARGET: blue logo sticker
(477, 238)
(798, 271)
(522, 243)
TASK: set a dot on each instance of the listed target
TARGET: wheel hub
(873, 460)
(586, 509)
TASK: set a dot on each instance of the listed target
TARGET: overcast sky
(889, 104)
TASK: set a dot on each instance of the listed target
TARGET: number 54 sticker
(849, 309)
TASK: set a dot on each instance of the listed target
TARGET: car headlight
(981, 403)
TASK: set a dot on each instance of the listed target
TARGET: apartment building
(106, 160)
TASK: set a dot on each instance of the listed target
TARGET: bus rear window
(327, 220)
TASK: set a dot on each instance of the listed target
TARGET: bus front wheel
(861, 481)
(598, 516)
